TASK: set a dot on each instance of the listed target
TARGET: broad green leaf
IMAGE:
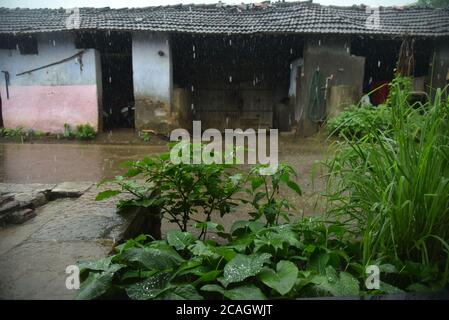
(208, 276)
(184, 292)
(132, 172)
(106, 194)
(257, 182)
(209, 226)
(294, 186)
(179, 240)
(340, 285)
(99, 265)
(388, 288)
(388, 268)
(254, 226)
(202, 250)
(188, 266)
(245, 292)
(213, 288)
(243, 266)
(153, 258)
(149, 288)
(319, 262)
(137, 274)
(95, 285)
(227, 253)
(283, 279)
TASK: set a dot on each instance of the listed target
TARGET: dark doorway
(237, 81)
(381, 61)
(117, 78)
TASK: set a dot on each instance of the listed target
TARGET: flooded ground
(53, 163)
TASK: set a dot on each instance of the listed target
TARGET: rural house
(266, 65)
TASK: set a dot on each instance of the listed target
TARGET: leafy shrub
(145, 136)
(68, 133)
(12, 133)
(394, 190)
(286, 261)
(358, 122)
(265, 190)
(83, 132)
(182, 189)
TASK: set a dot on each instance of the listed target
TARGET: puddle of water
(51, 163)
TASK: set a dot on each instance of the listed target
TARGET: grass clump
(393, 189)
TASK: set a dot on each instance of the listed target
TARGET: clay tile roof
(265, 17)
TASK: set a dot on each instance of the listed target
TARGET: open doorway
(118, 94)
(381, 61)
(237, 81)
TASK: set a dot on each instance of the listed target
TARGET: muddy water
(51, 163)
(44, 163)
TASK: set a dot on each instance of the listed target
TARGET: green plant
(358, 122)
(68, 133)
(285, 261)
(83, 131)
(145, 136)
(13, 133)
(265, 191)
(393, 190)
(179, 190)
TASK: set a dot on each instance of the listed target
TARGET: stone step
(9, 206)
(20, 216)
(4, 198)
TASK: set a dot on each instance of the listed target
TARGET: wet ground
(34, 255)
(53, 163)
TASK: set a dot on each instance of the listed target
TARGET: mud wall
(152, 78)
(46, 99)
(331, 57)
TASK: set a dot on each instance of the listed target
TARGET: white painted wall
(152, 73)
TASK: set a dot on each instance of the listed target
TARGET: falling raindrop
(291, 66)
(194, 55)
(54, 43)
(378, 63)
(230, 78)
(193, 48)
(319, 42)
(291, 50)
(192, 107)
(230, 42)
(110, 79)
(370, 80)
(193, 89)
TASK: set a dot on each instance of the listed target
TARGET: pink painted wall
(47, 108)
